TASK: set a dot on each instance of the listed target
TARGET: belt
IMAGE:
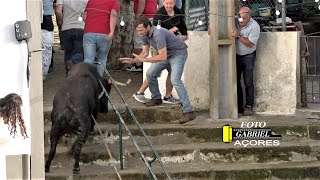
(246, 54)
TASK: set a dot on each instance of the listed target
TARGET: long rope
(107, 147)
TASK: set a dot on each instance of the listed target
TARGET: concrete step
(232, 171)
(204, 129)
(171, 113)
(159, 114)
(195, 150)
(307, 150)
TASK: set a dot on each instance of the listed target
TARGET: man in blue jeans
(67, 12)
(247, 36)
(100, 23)
(171, 51)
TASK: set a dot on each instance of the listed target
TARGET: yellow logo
(250, 133)
(227, 133)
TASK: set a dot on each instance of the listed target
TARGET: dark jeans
(245, 66)
(72, 40)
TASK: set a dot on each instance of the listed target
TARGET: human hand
(184, 37)
(234, 33)
(127, 60)
(174, 29)
(110, 36)
(139, 58)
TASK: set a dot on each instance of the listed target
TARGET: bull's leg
(95, 115)
(79, 142)
(54, 139)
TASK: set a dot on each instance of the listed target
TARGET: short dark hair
(143, 20)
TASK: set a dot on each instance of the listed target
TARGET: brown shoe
(186, 117)
(154, 102)
(247, 111)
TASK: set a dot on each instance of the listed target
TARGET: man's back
(98, 15)
(163, 38)
(72, 10)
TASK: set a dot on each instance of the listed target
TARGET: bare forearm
(113, 20)
(59, 15)
(84, 16)
(157, 58)
(246, 42)
(141, 6)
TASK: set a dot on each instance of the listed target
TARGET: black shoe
(247, 110)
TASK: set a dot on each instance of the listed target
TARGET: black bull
(73, 104)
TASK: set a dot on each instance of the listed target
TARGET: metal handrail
(148, 163)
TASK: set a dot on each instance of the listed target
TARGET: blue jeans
(245, 66)
(95, 42)
(177, 63)
(72, 40)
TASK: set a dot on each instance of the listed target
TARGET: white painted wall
(196, 73)
(13, 67)
(276, 73)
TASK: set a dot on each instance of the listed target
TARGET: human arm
(84, 16)
(162, 56)
(141, 6)
(244, 40)
(144, 53)
(59, 15)
(113, 23)
(182, 23)
(182, 27)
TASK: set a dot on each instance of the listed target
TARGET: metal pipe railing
(122, 123)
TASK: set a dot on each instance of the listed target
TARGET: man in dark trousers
(246, 36)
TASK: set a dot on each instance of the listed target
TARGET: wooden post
(223, 83)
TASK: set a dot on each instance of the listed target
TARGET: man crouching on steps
(171, 51)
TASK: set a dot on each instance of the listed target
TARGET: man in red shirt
(100, 22)
(146, 8)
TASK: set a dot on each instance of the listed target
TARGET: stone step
(207, 130)
(307, 150)
(171, 113)
(159, 114)
(232, 171)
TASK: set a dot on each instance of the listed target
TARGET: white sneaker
(139, 97)
(171, 100)
(134, 69)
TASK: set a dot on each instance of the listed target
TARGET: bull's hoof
(76, 170)
(47, 170)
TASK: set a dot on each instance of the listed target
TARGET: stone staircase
(194, 150)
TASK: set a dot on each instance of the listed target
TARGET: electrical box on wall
(22, 30)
